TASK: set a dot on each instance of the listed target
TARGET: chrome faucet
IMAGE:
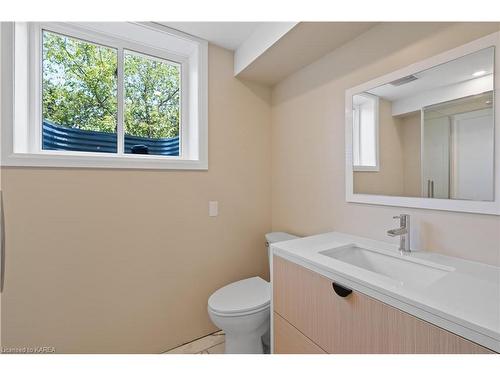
(403, 232)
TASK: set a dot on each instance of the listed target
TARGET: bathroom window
(127, 95)
(365, 133)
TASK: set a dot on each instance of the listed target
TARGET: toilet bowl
(242, 310)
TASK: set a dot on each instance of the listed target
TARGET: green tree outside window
(80, 89)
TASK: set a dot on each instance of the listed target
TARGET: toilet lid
(241, 296)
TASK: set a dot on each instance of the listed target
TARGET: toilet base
(244, 344)
(244, 333)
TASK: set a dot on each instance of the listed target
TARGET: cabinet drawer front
(356, 323)
(289, 340)
(430, 339)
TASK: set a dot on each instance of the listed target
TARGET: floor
(211, 344)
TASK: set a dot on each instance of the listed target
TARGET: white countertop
(466, 301)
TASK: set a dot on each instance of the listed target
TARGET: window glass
(152, 105)
(364, 131)
(367, 134)
(79, 95)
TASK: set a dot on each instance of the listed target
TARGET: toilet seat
(242, 297)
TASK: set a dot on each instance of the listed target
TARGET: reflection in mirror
(365, 129)
(430, 134)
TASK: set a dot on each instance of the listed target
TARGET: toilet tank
(277, 237)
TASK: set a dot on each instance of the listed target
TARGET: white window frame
(367, 168)
(22, 93)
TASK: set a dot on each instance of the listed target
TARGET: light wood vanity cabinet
(309, 315)
(290, 340)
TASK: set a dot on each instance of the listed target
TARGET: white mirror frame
(480, 207)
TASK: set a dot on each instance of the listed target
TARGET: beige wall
(411, 144)
(308, 190)
(125, 260)
(389, 180)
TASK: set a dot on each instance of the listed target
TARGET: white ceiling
(229, 35)
(459, 70)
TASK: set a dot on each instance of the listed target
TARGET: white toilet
(242, 309)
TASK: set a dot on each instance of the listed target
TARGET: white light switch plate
(213, 208)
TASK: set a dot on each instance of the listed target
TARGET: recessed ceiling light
(479, 73)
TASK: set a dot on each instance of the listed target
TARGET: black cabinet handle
(342, 291)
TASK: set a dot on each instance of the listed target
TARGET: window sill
(102, 161)
(366, 169)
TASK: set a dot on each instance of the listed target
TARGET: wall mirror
(424, 136)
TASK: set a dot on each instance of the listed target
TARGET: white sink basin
(400, 268)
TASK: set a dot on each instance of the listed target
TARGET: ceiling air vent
(404, 80)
